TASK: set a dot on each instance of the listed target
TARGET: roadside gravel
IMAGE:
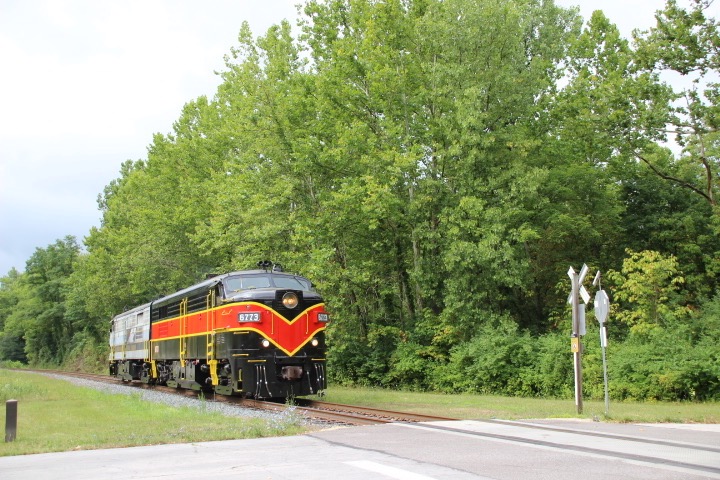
(206, 405)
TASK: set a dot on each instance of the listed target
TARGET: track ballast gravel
(205, 405)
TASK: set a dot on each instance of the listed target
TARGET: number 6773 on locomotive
(257, 333)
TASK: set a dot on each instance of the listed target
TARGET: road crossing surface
(458, 450)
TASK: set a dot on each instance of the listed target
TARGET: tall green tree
(683, 45)
(144, 245)
(39, 314)
(647, 292)
(12, 345)
(497, 66)
(261, 188)
(434, 166)
(685, 41)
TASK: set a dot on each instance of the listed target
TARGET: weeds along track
(325, 412)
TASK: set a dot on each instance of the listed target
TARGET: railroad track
(375, 414)
(312, 409)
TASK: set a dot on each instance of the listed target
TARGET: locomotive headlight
(314, 342)
(265, 343)
(290, 300)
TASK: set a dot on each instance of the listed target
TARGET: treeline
(435, 167)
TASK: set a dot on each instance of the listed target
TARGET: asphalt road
(439, 450)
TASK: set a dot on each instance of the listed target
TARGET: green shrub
(490, 362)
(87, 355)
(550, 374)
(667, 366)
(678, 361)
(410, 367)
(353, 361)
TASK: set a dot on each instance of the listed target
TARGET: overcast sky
(86, 83)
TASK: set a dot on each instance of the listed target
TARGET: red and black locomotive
(257, 333)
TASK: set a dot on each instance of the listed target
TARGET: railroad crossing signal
(601, 306)
(581, 277)
(578, 324)
(602, 302)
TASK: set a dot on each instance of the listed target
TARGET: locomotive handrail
(147, 344)
(210, 337)
(183, 331)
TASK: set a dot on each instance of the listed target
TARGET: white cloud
(85, 85)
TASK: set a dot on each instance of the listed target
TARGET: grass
(468, 406)
(54, 415)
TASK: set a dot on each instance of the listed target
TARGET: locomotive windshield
(249, 282)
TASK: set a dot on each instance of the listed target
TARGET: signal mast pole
(602, 308)
(578, 328)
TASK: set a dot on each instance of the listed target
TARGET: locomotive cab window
(290, 282)
(249, 282)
